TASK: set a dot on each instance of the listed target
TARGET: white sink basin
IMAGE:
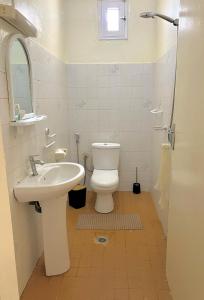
(50, 188)
(54, 180)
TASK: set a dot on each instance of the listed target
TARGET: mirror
(19, 79)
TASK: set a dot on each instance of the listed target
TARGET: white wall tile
(115, 109)
(164, 71)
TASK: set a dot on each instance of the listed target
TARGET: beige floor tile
(41, 288)
(150, 297)
(120, 282)
(135, 294)
(121, 294)
(107, 294)
(71, 273)
(75, 294)
(130, 267)
(164, 295)
(84, 272)
(99, 272)
(75, 261)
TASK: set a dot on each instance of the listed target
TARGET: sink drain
(101, 240)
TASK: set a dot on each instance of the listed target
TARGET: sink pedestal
(54, 223)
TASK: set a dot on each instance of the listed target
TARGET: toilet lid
(105, 178)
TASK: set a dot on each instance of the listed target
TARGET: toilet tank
(105, 156)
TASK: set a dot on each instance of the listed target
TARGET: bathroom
(93, 87)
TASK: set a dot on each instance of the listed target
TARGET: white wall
(164, 88)
(111, 103)
(166, 33)
(50, 97)
(83, 45)
(185, 250)
(49, 18)
(8, 274)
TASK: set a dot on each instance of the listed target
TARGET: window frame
(113, 35)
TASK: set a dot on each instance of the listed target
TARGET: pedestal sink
(50, 188)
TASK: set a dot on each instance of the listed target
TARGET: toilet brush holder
(77, 196)
(136, 186)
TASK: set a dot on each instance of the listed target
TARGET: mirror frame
(10, 41)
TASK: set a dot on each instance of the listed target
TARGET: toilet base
(104, 203)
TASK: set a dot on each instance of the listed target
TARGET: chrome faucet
(34, 162)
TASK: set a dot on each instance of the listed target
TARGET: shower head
(147, 15)
(150, 14)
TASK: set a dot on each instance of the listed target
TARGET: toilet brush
(136, 185)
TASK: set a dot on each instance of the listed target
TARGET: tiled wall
(164, 88)
(111, 103)
(50, 98)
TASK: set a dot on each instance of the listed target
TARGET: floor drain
(101, 240)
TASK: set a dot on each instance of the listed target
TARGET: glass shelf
(28, 122)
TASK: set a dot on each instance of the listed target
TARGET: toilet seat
(105, 179)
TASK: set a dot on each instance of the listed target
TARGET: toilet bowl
(105, 179)
(104, 183)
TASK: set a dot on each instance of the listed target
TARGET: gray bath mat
(109, 222)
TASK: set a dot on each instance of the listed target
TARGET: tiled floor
(130, 267)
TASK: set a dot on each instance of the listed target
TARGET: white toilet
(105, 179)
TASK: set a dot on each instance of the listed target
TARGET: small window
(112, 19)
